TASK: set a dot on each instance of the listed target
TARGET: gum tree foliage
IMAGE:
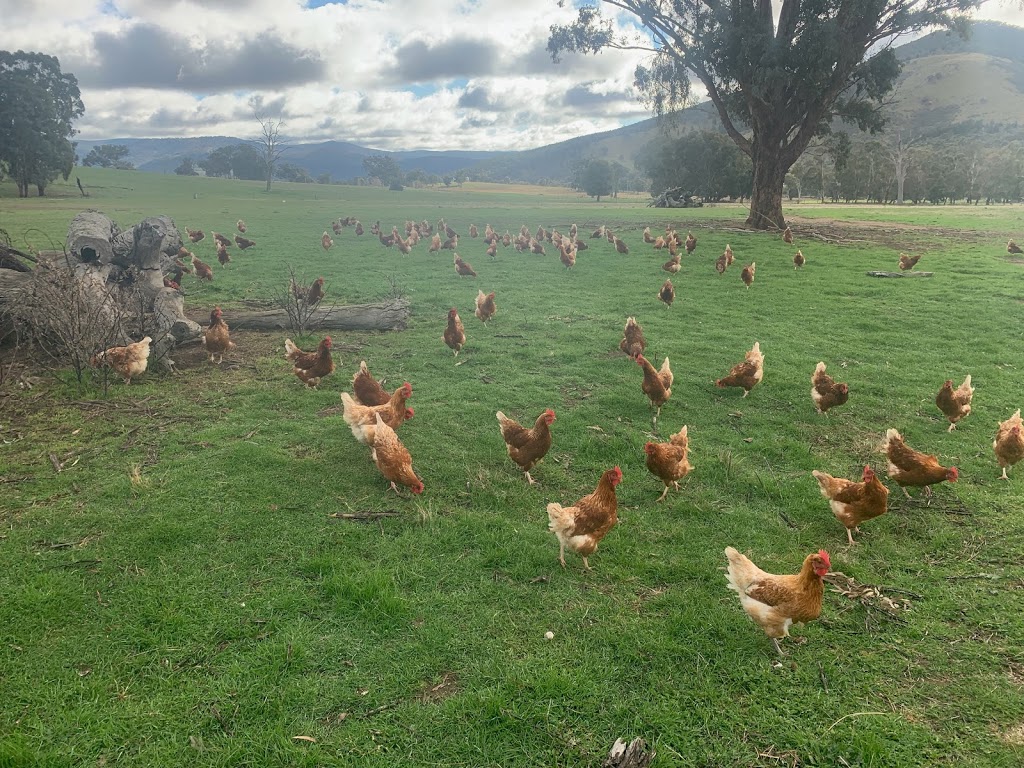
(38, 104)
(242, 161)
(703, 163)
(597, 179)
(186, 167)
(777, 73)
(383, 167)
(109, 156)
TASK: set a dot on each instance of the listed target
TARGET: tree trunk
(390, 315)
(766, 197)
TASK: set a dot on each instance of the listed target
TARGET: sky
(387, 74)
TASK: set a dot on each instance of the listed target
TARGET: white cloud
(392, 74)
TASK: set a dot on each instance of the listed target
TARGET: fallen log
(390, 315)
(900, 274)
(89, 237)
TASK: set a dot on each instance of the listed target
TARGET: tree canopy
(385, 168)
(703, 163)
(109, 156)
(38, 105)
(242, 161)
(186, 167)
(597, 179)
(776, 80)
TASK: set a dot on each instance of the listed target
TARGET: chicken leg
(664, 493)
(778, 647)
(561, 554)
(952, 426)
(529, 479)
(1004, 476)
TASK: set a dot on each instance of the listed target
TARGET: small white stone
(549, 635)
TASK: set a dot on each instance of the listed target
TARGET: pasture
(179, 593)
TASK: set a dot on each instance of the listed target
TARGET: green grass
(212, 612)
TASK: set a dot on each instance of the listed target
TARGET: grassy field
(210, 610)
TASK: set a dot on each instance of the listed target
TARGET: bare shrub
(72, 317)
(294, 299)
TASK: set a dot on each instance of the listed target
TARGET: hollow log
(89, 237)
(390, 315)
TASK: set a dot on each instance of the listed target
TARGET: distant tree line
(247, 161)
(241, 161)
(937, 171)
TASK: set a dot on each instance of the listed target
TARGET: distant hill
(948, 87)
(556, 161)
(948, 81)
(162, 155)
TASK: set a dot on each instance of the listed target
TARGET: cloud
(388, 74)
(148, 56)
(482, 98)
(586, 95)
(418, 62)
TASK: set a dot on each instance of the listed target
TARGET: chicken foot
(1004, 476)
(675, 485)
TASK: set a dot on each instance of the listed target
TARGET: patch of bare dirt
(1014, 735)
(446, 688)
(899, 236)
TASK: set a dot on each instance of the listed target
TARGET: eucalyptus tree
(778, 73)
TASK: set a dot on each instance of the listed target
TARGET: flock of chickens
(373, 414)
